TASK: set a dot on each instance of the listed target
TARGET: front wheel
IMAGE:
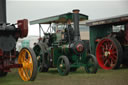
(92, 65)
(27, 59)
(63, 65)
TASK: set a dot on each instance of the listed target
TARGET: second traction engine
(9, 34)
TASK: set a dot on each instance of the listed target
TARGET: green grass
(80, 77)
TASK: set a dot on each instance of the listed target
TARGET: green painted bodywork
(101, 28)
(58, 49)
(76, 61)
(98, 32)
(59, 46)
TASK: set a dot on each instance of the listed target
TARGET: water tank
(26, 43)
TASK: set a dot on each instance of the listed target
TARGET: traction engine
(9, 35)
(109, 41)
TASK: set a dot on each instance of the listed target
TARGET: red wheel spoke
(103, 47)
(112, 59)
(109, 61)
(110, 47)
(113, 52)
(113, 49)
(106, 46)
(105, 58)
(113, 56)
(106, 62)
(103, 50)
(108, 43)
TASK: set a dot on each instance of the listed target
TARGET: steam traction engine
(109, 41)
(61, 45)
(9, 35)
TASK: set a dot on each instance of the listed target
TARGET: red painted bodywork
(8, 59)
(23, 26)
(79, 47)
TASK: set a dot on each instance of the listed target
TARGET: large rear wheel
(42, 57)
(109, 53)
(27, 59)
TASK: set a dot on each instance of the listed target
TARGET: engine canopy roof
(62, 18)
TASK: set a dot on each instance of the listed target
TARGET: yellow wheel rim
(25, 58)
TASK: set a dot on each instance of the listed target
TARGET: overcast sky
(35, 9)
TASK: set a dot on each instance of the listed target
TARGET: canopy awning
(112, 20)
(62, 18)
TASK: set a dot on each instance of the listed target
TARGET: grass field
(103, 77)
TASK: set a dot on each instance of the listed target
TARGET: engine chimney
(2, 11)
(76, 24)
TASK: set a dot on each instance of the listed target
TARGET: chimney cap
(76, 10)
